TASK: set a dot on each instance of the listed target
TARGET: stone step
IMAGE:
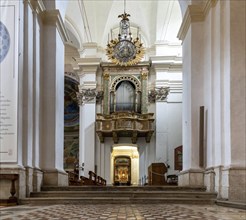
(122, 188)
(114, 200)
(119, 194)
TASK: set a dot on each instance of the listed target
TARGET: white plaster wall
(161, 153)
(87, 133)
(174, 133)
(87, 77)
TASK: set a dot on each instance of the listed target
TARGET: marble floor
(113, 211)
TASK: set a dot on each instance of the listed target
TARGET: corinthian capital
(89, 95)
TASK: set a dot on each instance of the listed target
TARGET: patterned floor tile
(121, 212)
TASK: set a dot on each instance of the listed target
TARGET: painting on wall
(71, 154)
(71, 124)
(71, 107)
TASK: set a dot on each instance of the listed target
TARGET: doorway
(122, 170)
(124, 165)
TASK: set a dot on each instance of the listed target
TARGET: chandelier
(125, 50)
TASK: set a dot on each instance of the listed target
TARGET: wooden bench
(86, 181)
(94, 179)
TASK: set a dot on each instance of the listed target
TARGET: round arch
(134, 80)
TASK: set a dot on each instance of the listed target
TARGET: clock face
(124, 51)
(4, 41)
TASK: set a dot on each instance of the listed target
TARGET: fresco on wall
(71, 108)
(71, 124)
(71, 153)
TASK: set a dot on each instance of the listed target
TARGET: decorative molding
(144, 74)
(99, 97)
(89, 96)
(168, 63)
(144, 64)
(53, 17)
(106, 75)
(130, 78)
(90, 61)
(195, 13)
(72, 75)
(158, 94)
(36, 5)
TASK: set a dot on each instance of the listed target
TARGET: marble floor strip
(120, 212)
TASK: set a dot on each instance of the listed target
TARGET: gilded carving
(106, 75)
(144, 75)
(130, 78)
(158, 94)
(125, 124)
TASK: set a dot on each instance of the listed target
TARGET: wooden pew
(94, 179)
(86, 181)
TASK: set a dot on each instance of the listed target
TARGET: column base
(191, 177)
(37, 179)
(209, 179)
(29, 180)
(233, 183)
(55, 178)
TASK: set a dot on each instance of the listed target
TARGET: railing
(125, 124)
(125, 121)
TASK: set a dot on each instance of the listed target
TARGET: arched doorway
(124, 164)
(122, 170)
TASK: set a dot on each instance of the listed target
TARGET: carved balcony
(125, 124)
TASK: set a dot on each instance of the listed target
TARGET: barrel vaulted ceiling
(91, 21)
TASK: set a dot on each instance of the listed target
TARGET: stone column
(193, 98)
(37, 25)
(144, 101)
(234, 102)
(87, 101)
(52, 100)
(28, 97)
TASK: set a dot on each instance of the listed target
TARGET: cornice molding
(53, 17)
(170, 67)
(36, 5)
(87, 65)
(195, 13)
